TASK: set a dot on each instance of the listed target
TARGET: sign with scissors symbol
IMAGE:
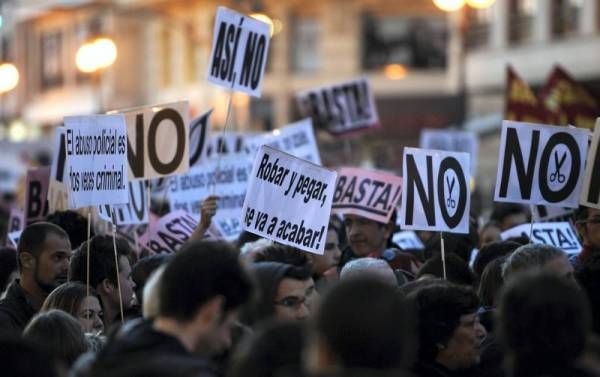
(450, 203)
(557, 175)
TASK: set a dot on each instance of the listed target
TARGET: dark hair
(8, 265)
(543, 320)
(491, 282)
(246, 237)
(21, 357)
(67, 297)
(141, 271)
(102, 260)
(74, 224)
(59, 334)
(490, 252)
(200, 271)
(439, 308)
(301, 264)
(377, 334)
(588, 276)
(34, 236)
(457, 270)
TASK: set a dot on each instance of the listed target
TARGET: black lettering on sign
(135, 156)
(450, 163)
(594, 189)
(427, 199)
(159, 117)
(225, 48)
(138, 206)
(567, 140)
(252, 64)
(200, 127)
(60, 162)
(513, 152)
(35, 206)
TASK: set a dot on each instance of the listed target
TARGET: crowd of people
(74, 306)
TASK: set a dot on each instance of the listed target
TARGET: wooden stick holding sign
(114, 237)
(443, 254)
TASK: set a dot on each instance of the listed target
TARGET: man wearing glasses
(587, 221)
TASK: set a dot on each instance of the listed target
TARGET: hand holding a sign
(208, 209)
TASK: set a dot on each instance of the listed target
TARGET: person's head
(74, 224)
(59, 334)
(457, 270)
(21, 357)
(143, 269)
(361, 323)
(509, 215)
(587, 221)
(103, 272)
(8, 267)
(366, 236)
(73, 298)
(536, 256)
(490, 252)
(202, 288)
(375, 268)
(43, 253)
(332, 254)
(491, 283)
(150, 306)
(449, 329)
(490, 232)
(543, 320)
(588, 277)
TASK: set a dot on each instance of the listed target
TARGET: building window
(51, 60)
(520, 22)
(415, 42)
(478, 26)
(565, 17)
(305, 44)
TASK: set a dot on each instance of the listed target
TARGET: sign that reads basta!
(289, 200)
(539, 164)
(170, 232)
(558, 234)
(435, 194)
(239, 52)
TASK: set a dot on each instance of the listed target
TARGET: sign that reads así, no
(435, 193)
(539, 164)
(340, 108)
(239, 53)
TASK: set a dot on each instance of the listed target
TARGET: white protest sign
(289, 200)
(452, 141)
(590, 194)
(14, 237)
(408, 240)
(58, 194)
(198, 137)
(228, 179)
(297, 139)
(340, 108)
(157, 140)
(231, 144)
(16, 220)
(36, 203)
(134, 212)
(96, 161)
(435, 194)
(558, 234)
(539, 164)
(366, 193)
(170, 232)
(239, 54)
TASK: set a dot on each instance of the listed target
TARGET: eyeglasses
(291, 302)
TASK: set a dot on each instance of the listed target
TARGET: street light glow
(395, 71)
(98, 54)
(9, 77)
(480, 4)
(449, 5)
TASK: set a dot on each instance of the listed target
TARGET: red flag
(521, 102)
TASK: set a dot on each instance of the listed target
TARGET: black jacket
(15, 310)
(137, 349)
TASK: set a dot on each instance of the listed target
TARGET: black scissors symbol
(557, 175)
(451, 203)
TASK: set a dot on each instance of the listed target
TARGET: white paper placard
(452, 141)
(408, 240)
(590, 193)
(558, 234)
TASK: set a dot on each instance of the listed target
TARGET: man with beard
(43, 257)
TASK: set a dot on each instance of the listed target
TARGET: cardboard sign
(171, 232)
(366, 193)
(435, 194)
(228, 179)
(239, 54)
(96, 160)
(198, 136)
(58, 194)
(408, 240)
(590, 193)
(289, 200)
(559, 234)
(36, 204)
(539, 164)
(297, 139)
(452, 141)
(134, 212)
(341, 108)
(157, 140)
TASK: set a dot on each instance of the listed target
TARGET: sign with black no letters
(58, 195)
(239, 53)
(590, 194)
(435, 193)
(539, 164)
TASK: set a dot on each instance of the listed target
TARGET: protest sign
(590, 194)
(13, 238)
(58, 195)
(198, 136)
(134, 212)
(36, 204)
(435, 194)
(289, 200)
(297, 139)
(170, 232)
(16, 224)
(239, 53)
(558, 234)
(366, 193)
(157, 140)
(229, 176)
(96, 161)
(408, 240)
(452, 141)
(340, 108)
(539, 164)
(226, 145)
